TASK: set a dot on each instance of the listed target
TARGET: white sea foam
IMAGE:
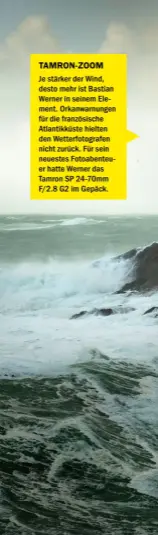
(25, 227)
(19, 224)
(38, 299)
(80, 221)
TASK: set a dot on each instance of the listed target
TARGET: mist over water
(78, 412)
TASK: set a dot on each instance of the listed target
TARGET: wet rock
(95, 311)
(151, 310)
(128, 255)
(7, 375)
(144, 269)
(79, 315)
(103, 312)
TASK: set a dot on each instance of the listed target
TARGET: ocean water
(78, 398)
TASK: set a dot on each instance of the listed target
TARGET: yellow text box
(78, 126)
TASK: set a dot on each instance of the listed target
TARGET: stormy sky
(28, 26)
